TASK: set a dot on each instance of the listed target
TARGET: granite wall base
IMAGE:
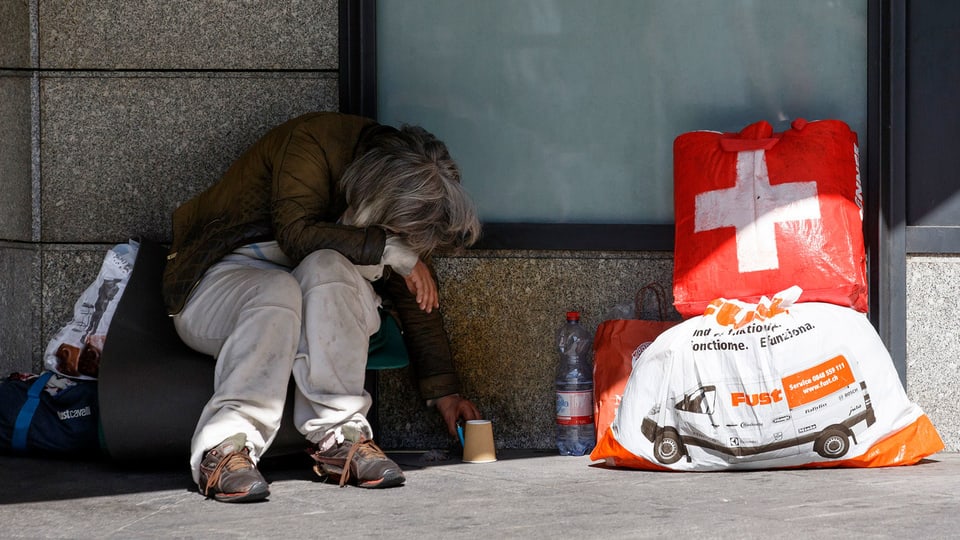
(502, 311)
(933, 341)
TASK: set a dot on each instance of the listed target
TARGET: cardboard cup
(478, 442)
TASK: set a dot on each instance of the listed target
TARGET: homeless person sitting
(280, 267)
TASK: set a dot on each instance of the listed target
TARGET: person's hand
(421, 284)
(453, 408)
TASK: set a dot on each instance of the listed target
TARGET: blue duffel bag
(49, 415)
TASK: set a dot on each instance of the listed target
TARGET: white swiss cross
(754, 207)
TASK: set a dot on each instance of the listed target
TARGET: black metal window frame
(932, 72)
(884, 184)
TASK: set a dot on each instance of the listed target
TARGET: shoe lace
(234, 461)
(366, 448)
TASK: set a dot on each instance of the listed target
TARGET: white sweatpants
(263, 322)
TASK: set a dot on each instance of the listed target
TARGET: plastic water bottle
(575, 428)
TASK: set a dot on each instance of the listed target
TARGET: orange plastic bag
(757, 212)
(616, 346)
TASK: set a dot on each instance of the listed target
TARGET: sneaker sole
(391, 478)
(258, 492)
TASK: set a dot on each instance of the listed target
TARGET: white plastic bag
(75, 350)
(767, 385)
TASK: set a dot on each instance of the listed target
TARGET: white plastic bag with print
(75, 350)
(767, 385)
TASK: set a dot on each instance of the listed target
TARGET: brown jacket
(286, 187)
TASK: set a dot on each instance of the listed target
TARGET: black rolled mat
(152, 387)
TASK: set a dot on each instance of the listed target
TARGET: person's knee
(276, 289)
(326, 266)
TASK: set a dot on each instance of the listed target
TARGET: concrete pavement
(525, 494)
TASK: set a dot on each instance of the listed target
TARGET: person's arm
(306, 170)
(430, 356)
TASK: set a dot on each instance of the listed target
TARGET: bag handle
(22, 424)
(658, 293)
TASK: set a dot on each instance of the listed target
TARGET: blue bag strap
(22, 425)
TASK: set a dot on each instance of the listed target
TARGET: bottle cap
(573, 315)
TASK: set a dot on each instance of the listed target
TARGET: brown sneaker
(227, 473)
(362, 461)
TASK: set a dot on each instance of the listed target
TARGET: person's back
(239, 208)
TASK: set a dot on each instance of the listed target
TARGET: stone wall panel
(933, 347)
(15, 34)
(187, 35)
(20, 306)
(120, 153)
(16, 178)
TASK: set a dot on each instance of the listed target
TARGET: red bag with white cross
(758, 211)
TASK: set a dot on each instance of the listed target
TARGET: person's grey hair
(407, 183)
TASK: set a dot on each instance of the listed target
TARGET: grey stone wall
(19, 257)
(502, 311)
(114, 112)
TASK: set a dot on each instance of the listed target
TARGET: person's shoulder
(333, 119)
(331, 127)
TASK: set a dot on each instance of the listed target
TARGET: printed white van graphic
(824, 405)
